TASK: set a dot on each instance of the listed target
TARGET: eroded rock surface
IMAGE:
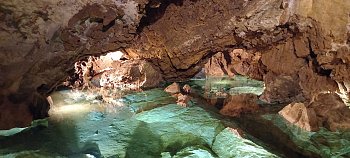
(326, 110)
(41, 41)
(239, 104)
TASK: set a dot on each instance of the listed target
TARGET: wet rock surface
(81, 127)
(327, 110)
(236, 105)
(41, 41)
(151, 124)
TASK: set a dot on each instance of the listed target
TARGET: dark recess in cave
(153, 14)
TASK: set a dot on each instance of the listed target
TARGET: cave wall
(41, 40)
(303, 43)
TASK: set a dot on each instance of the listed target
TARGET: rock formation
(326, 110)
(182, 95)
(235, 105)
(299, 41)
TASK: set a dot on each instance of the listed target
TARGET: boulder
(331, 111)
(301, 116)
(234, 105)
(183, 100)
(173, 88)
(186, 89)
(325, 110)
(217, 65)
(131, 74)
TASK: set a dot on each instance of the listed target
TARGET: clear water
(150, 124)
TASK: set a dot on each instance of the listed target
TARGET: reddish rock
(183, 100)
(173, 88)
(247, 64)
(235, 105)
(186, 88)
(301, 116)
(281, 89)
(326, 110)
(238, 132)
(217, 65)
(331, 111)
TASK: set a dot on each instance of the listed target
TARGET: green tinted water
(149, 124)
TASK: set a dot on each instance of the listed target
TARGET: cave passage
(132, 123)
(175, 78)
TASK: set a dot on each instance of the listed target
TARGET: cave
(175, 78)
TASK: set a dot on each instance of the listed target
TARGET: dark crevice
(155, 13)
(227, 57)
(108, 26)
(317, 68)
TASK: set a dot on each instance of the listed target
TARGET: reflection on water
(150, 124)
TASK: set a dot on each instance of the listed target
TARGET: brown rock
(247, 64)
(281, 89)
(186, 88)
(217, 65)
(173, 88)
(301, 116)
(183, 100)
(131, 74)
(331, 111)
(326, 110)
(238, 104)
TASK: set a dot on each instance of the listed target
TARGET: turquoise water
(150, 124)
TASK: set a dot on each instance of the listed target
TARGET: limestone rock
(41, 41)
(247, 64)
(228, 144)
(131, 74)
(236, 105)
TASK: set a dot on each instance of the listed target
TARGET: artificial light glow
(117, 55)
(73, 108)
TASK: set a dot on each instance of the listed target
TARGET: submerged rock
(234, 105)
(228, 144)
(326, 110)
(322, 143)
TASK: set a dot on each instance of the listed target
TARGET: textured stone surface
(41, 40)
(326, 110)
(236, 105)
(301, 116)
(228, 144)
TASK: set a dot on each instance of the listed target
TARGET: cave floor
(151, 124)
